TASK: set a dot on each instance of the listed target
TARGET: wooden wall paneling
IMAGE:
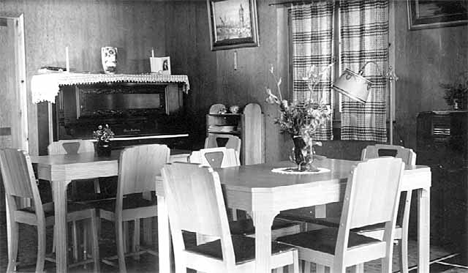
(180, 29)
(191, 55)
(85, 26)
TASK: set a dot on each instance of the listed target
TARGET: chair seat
(335, 222)
(131, 201)
(244, 248)
(49, 210)
(246, 226)
(324, 240)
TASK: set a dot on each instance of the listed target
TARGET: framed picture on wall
(435, 13)
(233, 23)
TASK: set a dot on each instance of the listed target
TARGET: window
(348, 34)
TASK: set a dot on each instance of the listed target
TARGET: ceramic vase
(109, 59)
(103, 148)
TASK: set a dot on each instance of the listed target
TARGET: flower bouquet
(301, 119)
(103, 135)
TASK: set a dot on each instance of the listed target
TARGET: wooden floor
(442, 259)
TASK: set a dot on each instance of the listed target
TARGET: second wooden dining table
(264, 194)
(60, 170)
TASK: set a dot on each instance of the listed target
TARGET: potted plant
(103, 135)
(456, 94)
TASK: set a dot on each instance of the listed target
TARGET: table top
(260, 178)
(89, 157)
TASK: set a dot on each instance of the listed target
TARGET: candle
(67, 60)
(152, 52)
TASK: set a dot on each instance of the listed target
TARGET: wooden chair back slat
(215, 157)
(223, 140)
(71, 146)
(17, 173)
(139, 166)
(373, 151)
(369, 202)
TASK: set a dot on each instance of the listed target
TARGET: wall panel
(134, 27)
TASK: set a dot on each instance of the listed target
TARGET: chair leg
(404, 234)
(295, 265)
(403, 257)
(41, 247)
(126, 238)
(136, 239)
(86, 230)
(75, 241)
(320, 269)
(53, 240)
(120, 244)
(387, 264)
(95, 240)
(13, 230)
(307, 267)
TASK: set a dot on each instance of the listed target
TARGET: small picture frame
(424, 14)
(161, 65)
(233, 23)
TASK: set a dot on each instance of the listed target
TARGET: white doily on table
(293, 170)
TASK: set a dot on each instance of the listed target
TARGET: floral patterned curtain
(312, 45)
(364, 38)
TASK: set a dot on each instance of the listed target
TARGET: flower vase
(303, 155)
(109, 59)
(103, 148)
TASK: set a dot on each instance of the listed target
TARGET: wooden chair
(365, 203)
(195, 203)
(138, 168)
(20, 182)
(224, 140)
(401, 232)
(376, 231)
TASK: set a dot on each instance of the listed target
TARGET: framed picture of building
(435, 13)
(233, 23)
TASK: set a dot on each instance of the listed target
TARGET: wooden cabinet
(442, 144)
(248, 125)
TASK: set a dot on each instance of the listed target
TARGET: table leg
(164, 239)
(423, 229)
(60, 202)
(263, 220)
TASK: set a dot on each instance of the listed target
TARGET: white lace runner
(45, 87)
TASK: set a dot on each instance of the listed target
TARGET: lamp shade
(353, 85)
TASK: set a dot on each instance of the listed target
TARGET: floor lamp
(356, 86)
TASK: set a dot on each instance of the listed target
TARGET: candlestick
(67, 60)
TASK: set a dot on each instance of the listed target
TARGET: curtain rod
(297, 2)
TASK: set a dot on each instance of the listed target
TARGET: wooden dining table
(60, 170)
(264, 194)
